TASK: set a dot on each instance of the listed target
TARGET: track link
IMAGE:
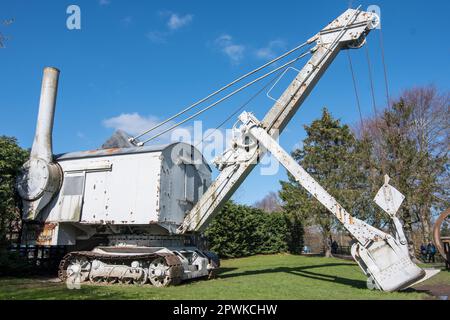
(174, 272)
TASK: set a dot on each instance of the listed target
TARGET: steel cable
(241, 107)
(369, 67)
(388, 100)
(221, 89)
(224, 98)
(355, 87)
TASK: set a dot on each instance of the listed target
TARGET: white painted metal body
(125, 187)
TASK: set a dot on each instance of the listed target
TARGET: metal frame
(382, 257)
(347, 29)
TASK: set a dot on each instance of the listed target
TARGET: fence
(44, 259)
(343, 250)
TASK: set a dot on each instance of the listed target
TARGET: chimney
(40, 178)
(42, 145)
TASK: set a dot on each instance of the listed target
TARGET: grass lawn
(279, 276)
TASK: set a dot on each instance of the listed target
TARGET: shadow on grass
(224, 270)
(303, 271)
(424, 290)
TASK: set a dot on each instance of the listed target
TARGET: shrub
(13, 264)
(243, 231)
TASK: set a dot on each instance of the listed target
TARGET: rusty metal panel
(110, 152)
(42, 234)
(47, 235)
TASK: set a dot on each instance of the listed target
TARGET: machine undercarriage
(159, 266)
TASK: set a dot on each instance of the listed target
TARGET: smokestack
(42, 145)
(40, 178)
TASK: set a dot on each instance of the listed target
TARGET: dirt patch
(436, 291)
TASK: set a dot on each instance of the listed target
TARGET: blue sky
(136, 62)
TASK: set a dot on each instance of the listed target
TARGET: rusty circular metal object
(437, 233)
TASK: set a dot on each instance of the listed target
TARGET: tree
(270, 203)
(330, 155)
(410, 142)
(11, 159)
(295, 233)
(242, 231)
(445, 229)
(430, 124)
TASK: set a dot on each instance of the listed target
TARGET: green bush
(12, 264)
(12, 156)
(243, 231)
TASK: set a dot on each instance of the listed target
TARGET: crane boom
(383, 258)
(347, 31)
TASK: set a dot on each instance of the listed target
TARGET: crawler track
(174, 273)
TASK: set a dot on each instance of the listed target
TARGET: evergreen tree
(243, 231)
(415, 168)
(11, 159)
(330, 155)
